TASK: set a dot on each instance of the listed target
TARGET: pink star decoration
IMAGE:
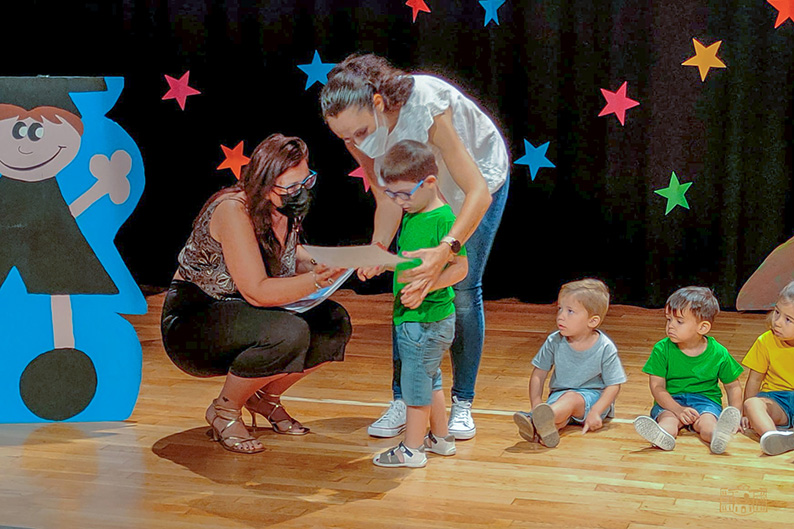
(417, 5)
(785, 10)
(179, 89)
(359, 173)
(235, 159)
(618, 103)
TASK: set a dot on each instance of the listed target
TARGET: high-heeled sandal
(254, 403)
(232, 443)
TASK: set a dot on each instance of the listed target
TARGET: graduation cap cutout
(32, 92)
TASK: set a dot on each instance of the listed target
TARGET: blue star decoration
(316, 70)
(674, 193)
(490, 7)
(535, 158)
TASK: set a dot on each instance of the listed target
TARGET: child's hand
(687, 415)
(368, 272)
(744, 424)
(413, 294)
(592, 422)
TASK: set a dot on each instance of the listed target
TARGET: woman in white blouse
(371, 105)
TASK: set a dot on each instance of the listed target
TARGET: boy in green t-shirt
(424, 322)
(684, 371)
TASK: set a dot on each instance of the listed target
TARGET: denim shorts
(784, 399)
(421, 346)
(590, 397)
(695, 401)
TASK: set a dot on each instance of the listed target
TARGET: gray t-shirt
(594, 368)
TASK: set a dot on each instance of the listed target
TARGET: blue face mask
(374, 145)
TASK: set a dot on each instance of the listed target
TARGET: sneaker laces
(392, 414)
(460, 413)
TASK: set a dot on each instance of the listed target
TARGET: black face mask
(295, 206)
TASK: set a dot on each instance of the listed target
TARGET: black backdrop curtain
(539, 74)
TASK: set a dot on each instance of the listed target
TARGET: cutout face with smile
(32, 150)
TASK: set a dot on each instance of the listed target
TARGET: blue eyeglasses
(402, 195)
(294, 189)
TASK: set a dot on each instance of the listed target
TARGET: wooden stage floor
(158, 468)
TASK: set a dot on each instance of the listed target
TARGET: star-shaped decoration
(490, 7)
(535, 158)
(674, 193)
(316, 70)
(359, 173)
(705, 58)
(235, 159)
(416, 6)
(179, 90)
(618, 103)
(785, 10)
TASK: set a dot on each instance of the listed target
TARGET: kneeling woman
(241, 262)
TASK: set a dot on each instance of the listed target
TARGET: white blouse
(430, 97)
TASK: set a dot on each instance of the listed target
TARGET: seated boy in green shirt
(684, 371)
(424, 323)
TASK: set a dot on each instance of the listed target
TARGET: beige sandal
(286, 426)
(232, 443)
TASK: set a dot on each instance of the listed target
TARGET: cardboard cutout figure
(69, 177)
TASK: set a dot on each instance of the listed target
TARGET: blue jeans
(466, 348)
(695, 401)
(421, 346)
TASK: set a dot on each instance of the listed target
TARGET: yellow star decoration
(705, 58)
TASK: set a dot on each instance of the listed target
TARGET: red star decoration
(235, 159)
(359, 173)
(785, 10)
(179, 89)
(618, 103)
(417, 5)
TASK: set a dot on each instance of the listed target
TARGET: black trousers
(207, 337)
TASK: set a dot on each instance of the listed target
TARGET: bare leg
(62, 329)
(669, 422)
(416, 419)
(285, 381)
(705, 425)
(764, 414)
(438, 415)
(571, 404)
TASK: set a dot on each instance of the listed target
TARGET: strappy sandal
(286, 426)
(232, 443)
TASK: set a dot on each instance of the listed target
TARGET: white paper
(354, 256)
(318, 296)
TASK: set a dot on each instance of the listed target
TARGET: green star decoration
(674, 193)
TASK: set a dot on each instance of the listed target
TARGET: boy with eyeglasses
(424, 319)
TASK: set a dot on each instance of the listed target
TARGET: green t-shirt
(693, 374)
(424, 230)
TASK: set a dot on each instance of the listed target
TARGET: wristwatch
(454, 244)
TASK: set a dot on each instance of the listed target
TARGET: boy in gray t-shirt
(587, 370)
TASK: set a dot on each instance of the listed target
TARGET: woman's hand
(433, 262)
(326, 275)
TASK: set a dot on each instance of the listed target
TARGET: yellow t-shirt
(774, 359)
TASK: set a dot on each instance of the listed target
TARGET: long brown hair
(271, 158)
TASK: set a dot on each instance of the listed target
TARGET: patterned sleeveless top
(201, 259)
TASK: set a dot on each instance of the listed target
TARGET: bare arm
(734, 392)
(231, 226)
(468, 177)
(593, 420)
(753, 384)
(536, 380)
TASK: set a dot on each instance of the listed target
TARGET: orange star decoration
(785, 10)
(417, 5)
(235, 159)
(705, 58)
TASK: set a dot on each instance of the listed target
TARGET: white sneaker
(391, 423)
(402, 456)
(443, 446)
(461, 425)
(653, 433)
(727, 423)
(774, 442)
